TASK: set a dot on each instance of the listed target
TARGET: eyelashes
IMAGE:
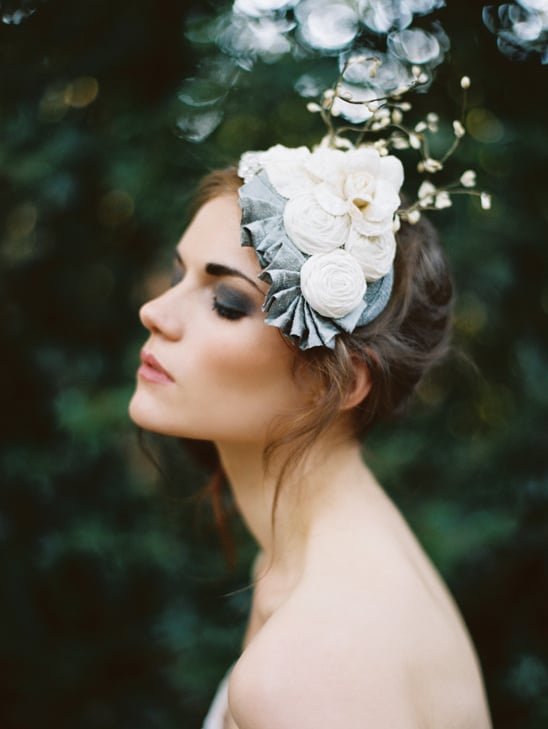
(226, 312)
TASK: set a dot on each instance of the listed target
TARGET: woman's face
(211, 368)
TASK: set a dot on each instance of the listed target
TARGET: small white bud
(398, 141)
(420, 127)
(397, 116)
(427, 189)
(401, 90)
(413, 216)
(443, 200)
(342, 143)
(432, 122)
(465, 82)
(396, 224)
(328, 93)
(414, 141)
(468, 178)
(432, 165)
(313, 107)
(458, 129)
(405, 106)
(485, 200)
(416, 71)
(423, 78)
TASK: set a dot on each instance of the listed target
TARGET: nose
(160, 315)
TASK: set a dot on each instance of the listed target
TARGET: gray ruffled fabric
(286, 308)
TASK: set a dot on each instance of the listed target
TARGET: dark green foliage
(117, 608)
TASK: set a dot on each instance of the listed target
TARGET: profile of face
(211, 368)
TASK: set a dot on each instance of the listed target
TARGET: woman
(283, 352)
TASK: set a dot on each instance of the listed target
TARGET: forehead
(213, 236)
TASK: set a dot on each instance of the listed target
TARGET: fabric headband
(322, 224)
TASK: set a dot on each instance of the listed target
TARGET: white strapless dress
(217, 711)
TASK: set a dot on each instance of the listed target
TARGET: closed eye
(226, 312)
(232, 304)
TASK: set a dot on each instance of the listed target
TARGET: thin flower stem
(451, 149)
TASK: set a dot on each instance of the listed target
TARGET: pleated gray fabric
(286, 308)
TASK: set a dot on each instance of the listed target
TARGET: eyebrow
(219, 269)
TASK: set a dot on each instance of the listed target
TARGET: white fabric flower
(311, 228)
(371, 185)
(333, 283)
(376, 217)
(284, 167)
(326, 165)
(375, 254)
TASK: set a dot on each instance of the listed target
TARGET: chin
(144, 415)
(148, 415)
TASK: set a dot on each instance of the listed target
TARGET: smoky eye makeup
(232, 303)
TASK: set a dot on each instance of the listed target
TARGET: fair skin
(351, 626)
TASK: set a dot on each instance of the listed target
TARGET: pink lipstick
(152, 371)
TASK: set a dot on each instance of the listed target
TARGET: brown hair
(398, 347)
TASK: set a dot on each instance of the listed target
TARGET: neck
(305, 495)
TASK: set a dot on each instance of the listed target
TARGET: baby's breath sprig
(388, 112)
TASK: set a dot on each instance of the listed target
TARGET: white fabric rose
(286, 169)
(376, 217)
(333, 283)
(368, 160)
(375, 254)
(327, 165)
(311, 228)
(371, 186)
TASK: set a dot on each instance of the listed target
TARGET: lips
(152, 371)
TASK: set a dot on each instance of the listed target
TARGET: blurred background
(118, 609)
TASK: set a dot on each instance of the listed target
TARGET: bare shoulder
(311, 666)
(346, 652)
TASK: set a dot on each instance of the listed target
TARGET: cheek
(258, 371)
(250, 380)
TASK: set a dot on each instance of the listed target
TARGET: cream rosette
(314, 225)
(333, 283)
(375, 254)
(322, 225)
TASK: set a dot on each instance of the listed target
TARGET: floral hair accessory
(322, 224)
